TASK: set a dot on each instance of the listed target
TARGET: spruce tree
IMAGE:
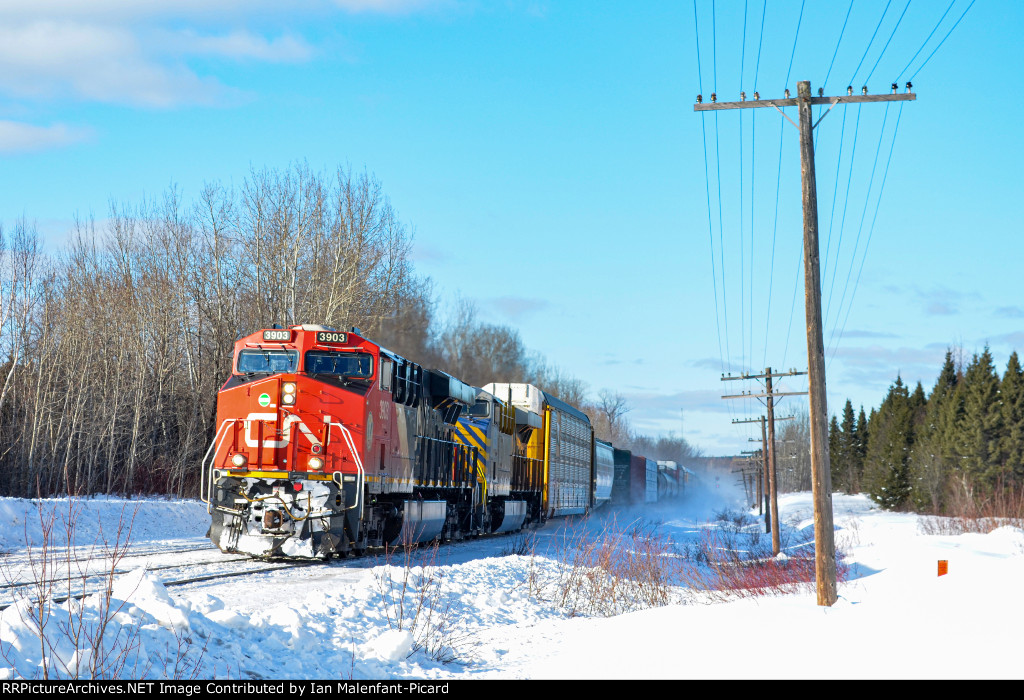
(835, 457)
(860, 449)
(845, 458)
(1012, 446)
(931, 460)
(886, 468)
(981, 431)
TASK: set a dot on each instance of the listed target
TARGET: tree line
(114, 348)
(963, 443)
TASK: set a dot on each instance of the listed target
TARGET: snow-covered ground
(503, 608)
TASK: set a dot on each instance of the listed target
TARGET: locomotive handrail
(359, 464)
(202, 465)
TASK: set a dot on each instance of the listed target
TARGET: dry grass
(617, 570)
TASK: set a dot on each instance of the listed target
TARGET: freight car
(636, 479)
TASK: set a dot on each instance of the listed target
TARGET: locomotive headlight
(288, 390)
(316, 463)
(238, 459)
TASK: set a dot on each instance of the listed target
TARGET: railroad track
(91, 583)
(63, 554)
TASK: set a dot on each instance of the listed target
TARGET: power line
(835, 194)
(743, 293)
(860, 228)
(943, 41)
(707, 187)
(887, 42)
(836, 52)
(846, 202)
(927, 39)
(775, 226)
(799, 20)
(871, 231)
(753, 154)
(718, 171)
(857, 69)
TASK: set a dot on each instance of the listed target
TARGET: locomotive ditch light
(288, 393)
(315, 463)
(238, 459)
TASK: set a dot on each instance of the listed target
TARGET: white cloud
(93, 62)
(242, 45)
(134, 9)
(516, 308)
(391, 7)
(16, 137)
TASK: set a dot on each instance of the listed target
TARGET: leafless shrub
(71, 609)
(849, 535)
(976, 510)
(412, 597)
(523, 543)
(182, 663)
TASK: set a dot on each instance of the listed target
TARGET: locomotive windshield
(344, 364)
(267, 361)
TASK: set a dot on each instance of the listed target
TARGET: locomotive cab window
(481, 409)
(267, 361)
(342, 364)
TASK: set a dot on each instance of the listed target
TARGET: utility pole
(773, 482)
(821, 479)
(747, 474)
(760, 472)
(762, 477)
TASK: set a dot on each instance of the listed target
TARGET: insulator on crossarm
(757, 95)
(787, 93)
(700, 99)
(849, 89)
(909, 85)
(895, 87)
(714, 97)
(821, 92)
(864, 90)
(743, 96)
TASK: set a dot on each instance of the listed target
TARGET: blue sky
(548, 158)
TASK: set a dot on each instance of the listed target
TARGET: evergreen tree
(918, 403)
(932, 460)
(981, 430)
(835, 459)
(1012, 446)
(891, 433)
(860, 449)
(843, 452)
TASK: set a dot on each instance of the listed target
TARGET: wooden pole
(773, 481)
(762, 475)
(821, 480)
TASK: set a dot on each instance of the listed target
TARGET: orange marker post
(943, 567)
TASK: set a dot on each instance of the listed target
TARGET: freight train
(328, 444)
